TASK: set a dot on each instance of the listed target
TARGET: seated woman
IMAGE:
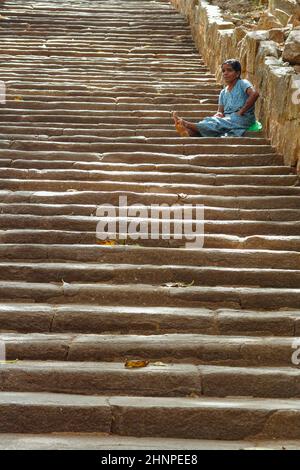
(236, 112)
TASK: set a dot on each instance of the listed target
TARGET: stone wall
(260, 54)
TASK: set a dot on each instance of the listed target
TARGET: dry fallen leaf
(136, 363)
(107, 242)
(158, 364)
(19, 98)
(194, 395)
(182, 196)
(178, 284)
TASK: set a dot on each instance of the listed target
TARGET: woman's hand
(219, 115)
(240, 113)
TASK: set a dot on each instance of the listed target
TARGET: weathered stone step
(97, 117)
(141, 294)
(211, 213)
(116, 273)
(167, 380)
(94, 441)
(151, 187)
(111, 89)
(99, 106)
(175, 348)
(107, 76)
(195, 148)
(103, 379)
(82, 223)
(111, 39)
(252, 258)
(219, 241)
(154, 66)
(116, 94)
(132, 138)
(204, 418)
(194, 154)
(85, 318)
(163, 140)
(171, 51)
(145, 167)
(206, 159)
(151, 177)
(101, 197)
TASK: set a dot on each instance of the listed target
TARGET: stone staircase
(90, 86)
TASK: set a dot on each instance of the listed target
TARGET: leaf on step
(178, 284)
(135, 364)
(3, 17)
(18, 98)
(194, 395)
(9, 362)
(182, 196)
(71, 190)
(158, 364)
(107, 242)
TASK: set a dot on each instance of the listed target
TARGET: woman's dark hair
(235, 64)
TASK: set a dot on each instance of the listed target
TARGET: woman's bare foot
(185, 128)
(179, 125)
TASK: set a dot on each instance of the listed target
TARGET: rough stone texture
(268, 21)
(279, 105)
(95, 441)
(291, 51)
(289, 7)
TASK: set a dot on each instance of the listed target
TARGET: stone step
(145, 294)
(146, 167)
(75, 272)
(151, 187)
(195, 349)
(165, 380)
(86, 318)
(139, 255)
(219, 241)
(99, 106)
(206, 159)
(211, 213)
(123, 147)
(94, 441)
(148, 177)
(200, 418)
(90, 223)
(101, 197)
(162, 140)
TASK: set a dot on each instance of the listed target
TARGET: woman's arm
(220, 112)
(253, 96)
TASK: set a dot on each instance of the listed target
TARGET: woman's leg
(185, 128)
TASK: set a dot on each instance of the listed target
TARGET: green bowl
(256, 127)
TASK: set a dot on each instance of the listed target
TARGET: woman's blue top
(235, 99)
